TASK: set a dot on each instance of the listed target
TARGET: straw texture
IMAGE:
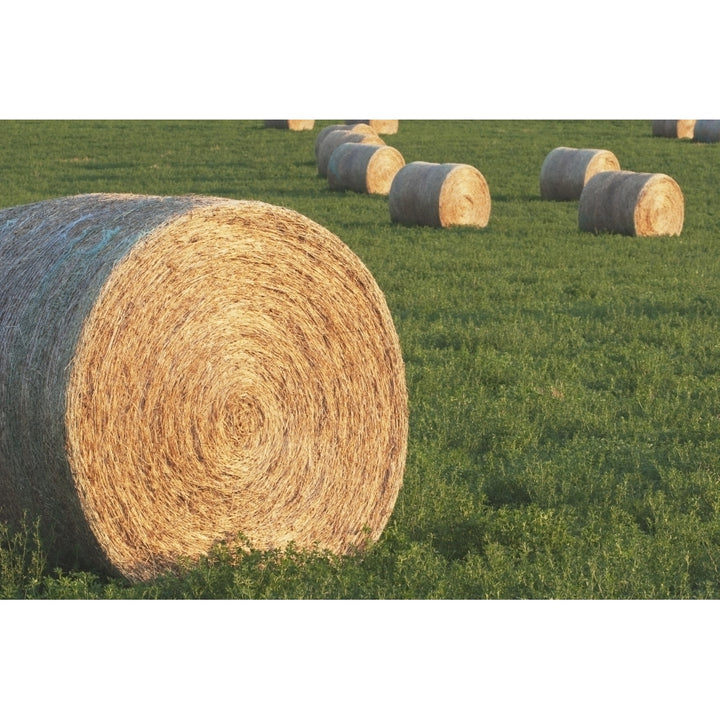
(630, 203)
(707, 131)
(382, 127)
(295, 125)
(175, 371)
(439, 195)
(334, 139)
(364, 168)
(565, 171)
(673, 128)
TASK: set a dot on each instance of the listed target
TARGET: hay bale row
(565, 171)
(295, 125)
(381, 127)
(364, 167)
(673, 128)
(632, 203)
(178, 370)
(329, 142)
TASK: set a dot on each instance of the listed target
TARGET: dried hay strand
(364, 168)
(178, 370)
(565, 171)
(631, 203)
(295, 125)
(334, 139)
(673, 128)
(707, 131)
(381, 127)
(439, 195)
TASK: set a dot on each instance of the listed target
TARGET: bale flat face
(630, 203)
(439, 195)
(565, 171)
(234, 370)
(295, 125)
(707, 131)
(673, 128)
(364, 167)
(334, 139)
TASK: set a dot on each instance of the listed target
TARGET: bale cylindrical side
(707, 131)
(177, 371)
(364, 168)
(336, 138)
(359, 128)
(565, 171)
(295, 125)
(673, 128)
(439, 195)
(381, 127)
(631, 203)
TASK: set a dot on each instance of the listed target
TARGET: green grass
(564, 387)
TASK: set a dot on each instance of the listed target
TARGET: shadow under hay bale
(632, 203)
(295, 125)
(707, 131)
(565, 171)
(673, 128)
(364, 168)
(439, 195)
(175, 371)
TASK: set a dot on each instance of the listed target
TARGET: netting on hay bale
(295, 125)
(707, 131)
(673, 128)
(632, 203)
(364, 168)
(439, 195)
(565, 171)
(178, 370)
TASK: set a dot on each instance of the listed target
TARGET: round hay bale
(381, 127)
(359, 128)
(631, 203)
(295, 125)
(565, 171)
(673, 128)
(364, 168)
(175, 371)
(334, 139)
(439, 195)
(707, 131)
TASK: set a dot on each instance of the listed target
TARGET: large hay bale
(632, 203)
(381, 127)
(364, 168)
(439, 195)
(295, 125)
(707, 131)
(178, 370)
(565, 171)
(334, 139)
(673, 128)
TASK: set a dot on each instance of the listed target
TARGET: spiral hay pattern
(631, 203)
(565, 171)
(175, 371)
(364, 168)
(439, 195)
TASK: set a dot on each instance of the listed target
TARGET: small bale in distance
(439, 195)
(381, 127)
(632, 203)
(334, 139)
(673, 128)
(707, 131)
(295, 125)
(364, 168)
(565, 171)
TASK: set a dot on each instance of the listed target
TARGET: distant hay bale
(673, 128)
(178, 370)
(565, 171)
(359, 128)
(439, 195)
(631, 203)
(381, 127)
(334, 139)
(290, 124)
(364, 168)
(707, 131)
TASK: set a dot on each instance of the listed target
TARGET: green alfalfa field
(564, 387)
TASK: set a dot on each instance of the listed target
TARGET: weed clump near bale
(381, 127)
(176, 371)
(632, 203)
(295, 125)
(439, 195)
(565, 171)
(707, 131)
(364, 168)
(333, 140)
(673, 128)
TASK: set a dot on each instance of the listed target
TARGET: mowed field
(563, 386)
